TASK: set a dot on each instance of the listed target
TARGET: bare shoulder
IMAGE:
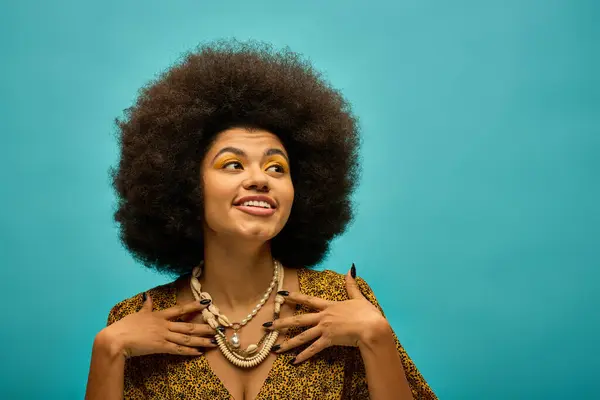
(163, 296)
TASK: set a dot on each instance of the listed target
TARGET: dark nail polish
(283, 293)
(353, 271)
(213, 341)
(276, 347)
(268, 324)
(221, 328)
(293, 360)
(144, 297)
(205, 301)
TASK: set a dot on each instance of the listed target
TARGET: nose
(257, 180)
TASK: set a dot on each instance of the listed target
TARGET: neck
(236, 275)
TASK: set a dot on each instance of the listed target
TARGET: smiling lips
(262, 206)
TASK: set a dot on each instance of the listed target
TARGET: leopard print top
(334, 373)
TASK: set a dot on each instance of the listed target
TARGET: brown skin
(239, 243)
(228, 177)
(175, 119)
(236, 242)
(238, 267)
(356, 323)
(246, 383)
(142, 333)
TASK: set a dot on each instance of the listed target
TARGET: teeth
(262, 204)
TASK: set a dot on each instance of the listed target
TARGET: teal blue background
(478, 221)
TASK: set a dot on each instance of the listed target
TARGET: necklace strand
(197, 290)
(252, 355)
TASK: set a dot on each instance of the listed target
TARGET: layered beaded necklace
(254, 354)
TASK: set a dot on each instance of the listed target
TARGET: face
(248, 189)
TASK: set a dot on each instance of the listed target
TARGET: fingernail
(213, 341)
(353, 271)
(268, 324)
(221, 328)
(283, 293)
(276, 347)
(293, 360)
(205, 301)
(144, 297)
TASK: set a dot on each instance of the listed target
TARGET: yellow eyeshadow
(225, 160)
(279, 161)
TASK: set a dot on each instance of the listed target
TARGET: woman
(236, 171)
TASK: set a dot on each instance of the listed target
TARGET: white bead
(259, 356)
(207, 315)
(235, 340)
(251, 349)
(213, 309)
(205, 295)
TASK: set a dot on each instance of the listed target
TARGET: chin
(258, 232)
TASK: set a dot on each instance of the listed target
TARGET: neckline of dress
(284, 358)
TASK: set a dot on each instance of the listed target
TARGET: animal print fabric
(335, 373)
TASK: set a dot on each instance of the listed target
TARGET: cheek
(216, 194)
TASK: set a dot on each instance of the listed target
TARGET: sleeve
(133, 388)
(115, 314)
(359, 390)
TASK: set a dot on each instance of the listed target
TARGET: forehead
(255, 140)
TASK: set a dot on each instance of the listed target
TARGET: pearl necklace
(251, 356)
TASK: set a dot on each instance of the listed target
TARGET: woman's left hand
(336, 323)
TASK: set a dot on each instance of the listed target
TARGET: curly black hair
(164, 136)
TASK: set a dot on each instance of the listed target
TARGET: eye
(276, 168)
(233, 165)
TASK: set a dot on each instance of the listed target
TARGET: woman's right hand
(150, 332)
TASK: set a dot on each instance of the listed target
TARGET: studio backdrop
(477, 221)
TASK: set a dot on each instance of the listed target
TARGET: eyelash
(281, 168)
(227, 164)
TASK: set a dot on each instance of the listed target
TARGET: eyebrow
(241, 153)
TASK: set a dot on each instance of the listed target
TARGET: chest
(324, 377)
(211, 376)
(246, 383)
(243, 383)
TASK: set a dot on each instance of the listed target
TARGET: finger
(189, 328)
(147, 302)
(352, 287)
(310, 319)
(190, 341)
(316, 303)
(182, 309)
(300, 339)
(319, 345)
(173, 348)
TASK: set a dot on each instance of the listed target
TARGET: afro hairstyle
(164, 136)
